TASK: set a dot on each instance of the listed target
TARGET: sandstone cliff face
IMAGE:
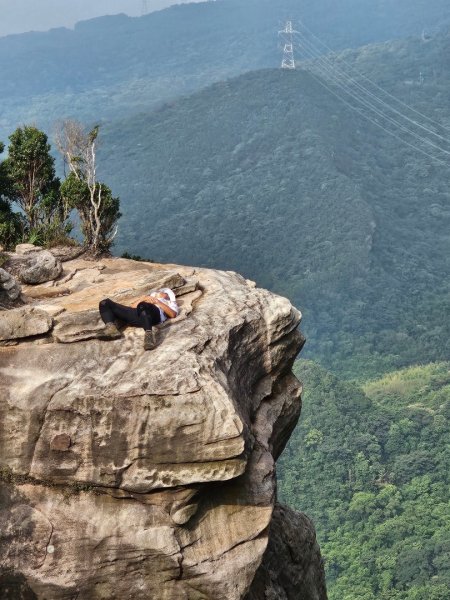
(133, 474)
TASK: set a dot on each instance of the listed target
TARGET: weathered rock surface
(10, 289)
(65, 253)
(23, 249)
(292, 567)
(34, 265)
(41, 267)
(24, 322)
(133, 474)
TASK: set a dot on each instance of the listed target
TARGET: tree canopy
(96, 206)
(270, 175)
(28, 180)
(370, 465)
(31, 172)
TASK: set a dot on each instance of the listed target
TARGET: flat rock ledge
(128, 474)
(24, 322)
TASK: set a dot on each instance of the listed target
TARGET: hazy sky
(17, 16)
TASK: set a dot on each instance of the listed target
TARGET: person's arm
(165, 308)
(152, 300)
(148, 299)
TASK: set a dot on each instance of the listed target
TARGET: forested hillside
(370, 465)
(273, 174)
(269, 174)
(113, 65)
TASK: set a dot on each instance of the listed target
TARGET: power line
(373, 83)
(376, 98)
(360, 94)
(365, 98)
(363, 114)
(373, 121)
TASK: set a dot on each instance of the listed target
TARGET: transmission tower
(286, 34)
(144, 8)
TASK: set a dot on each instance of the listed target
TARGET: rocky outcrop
(24, 322)
(27, 249)
(133, 474)
(42, 266)
(9, 289)
(34, 265)
(292, 567)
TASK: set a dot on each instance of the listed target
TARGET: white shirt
(172, 305)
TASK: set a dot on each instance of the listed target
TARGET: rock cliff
(128, 474)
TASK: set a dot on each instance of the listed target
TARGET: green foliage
(313, 438)
(4, 181)
(135, 257)
(27, 178)
(267, 174)
(31, 171)
(377, 486)
(77, 196)
(109, 215)
(11, 224)
(271, 176)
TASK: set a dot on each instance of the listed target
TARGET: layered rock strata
(133, 474)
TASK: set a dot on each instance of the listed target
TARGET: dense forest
(277, 175)
(370, 464)
(118, 65)
(271, 175)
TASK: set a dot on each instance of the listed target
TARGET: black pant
(144, 315)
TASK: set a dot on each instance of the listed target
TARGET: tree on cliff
(31, 172)
(11, 224)
(96, 206)
(4, 182)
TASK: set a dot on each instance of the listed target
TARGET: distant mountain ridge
(113, 65)
(28, 15)
(269, 174)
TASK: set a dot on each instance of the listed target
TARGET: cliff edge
(128, 474)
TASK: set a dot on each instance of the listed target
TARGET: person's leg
(106, 312)
(148, 314)
(145, 315)
(110, 311)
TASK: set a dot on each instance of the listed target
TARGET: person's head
(166, 294)
(163, 295)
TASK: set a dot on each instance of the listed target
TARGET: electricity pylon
(288, 61)
(144, 8)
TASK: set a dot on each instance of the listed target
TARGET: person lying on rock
(145, 311)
